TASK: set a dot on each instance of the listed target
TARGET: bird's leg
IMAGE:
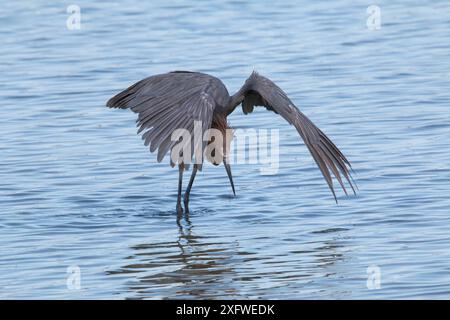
(180, 182)
(188, 189)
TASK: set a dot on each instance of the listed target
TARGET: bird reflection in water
(212, 266)
(193, 266)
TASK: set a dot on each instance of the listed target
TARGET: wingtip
(334, 195)
(109, 103)
(114, 103)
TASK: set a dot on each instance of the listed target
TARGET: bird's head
(219, 142)
(218, 147)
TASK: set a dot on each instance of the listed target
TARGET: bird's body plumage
(174, 100)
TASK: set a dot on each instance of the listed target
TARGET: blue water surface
(79, 190)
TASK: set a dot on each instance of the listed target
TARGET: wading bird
(177, 99)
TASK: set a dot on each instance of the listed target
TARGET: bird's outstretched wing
(171, 101)
(260, 91)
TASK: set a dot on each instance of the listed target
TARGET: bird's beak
(230, 176)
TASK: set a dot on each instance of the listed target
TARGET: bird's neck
(220, 123)
(235, 100)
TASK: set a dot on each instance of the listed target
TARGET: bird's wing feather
(260, 91)
(171, 101)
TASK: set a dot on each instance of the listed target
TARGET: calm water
(78, 188)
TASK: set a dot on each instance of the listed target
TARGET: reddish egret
(174, 100)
